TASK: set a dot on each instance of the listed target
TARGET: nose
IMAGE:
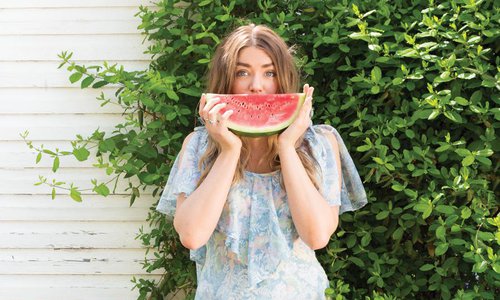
(256, 85)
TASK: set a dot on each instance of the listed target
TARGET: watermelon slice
(262, 114)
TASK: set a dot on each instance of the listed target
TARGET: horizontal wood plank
(73, 3)
(67, 261)
(87, 47)
(49, 127)
(21, 181)
(80, 287)
(77, 293)
(69, 235)
(45, 74)
(70, 281)
(73, 214)
(109, 203)
(55, 14)
(69, 28)
(63, 208)
(16, 154)
(56, 101)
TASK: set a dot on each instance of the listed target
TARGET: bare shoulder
(331, 138)
(185, 143)
(187, 139)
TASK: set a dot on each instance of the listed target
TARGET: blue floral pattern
(255, 251)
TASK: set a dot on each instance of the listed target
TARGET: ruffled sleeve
(183, 178)
(350, 194)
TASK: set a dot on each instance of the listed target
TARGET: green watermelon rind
(262, 131)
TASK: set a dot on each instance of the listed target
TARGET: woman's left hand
(292, 134)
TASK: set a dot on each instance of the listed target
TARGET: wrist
(285, 146)
(233, 150)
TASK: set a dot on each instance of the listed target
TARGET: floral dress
(255, 251)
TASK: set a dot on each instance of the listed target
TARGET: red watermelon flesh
(260, 114)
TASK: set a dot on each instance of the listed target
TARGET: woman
(253, 210)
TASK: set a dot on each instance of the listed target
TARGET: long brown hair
(220, 79)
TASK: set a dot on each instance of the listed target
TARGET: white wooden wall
(60, 249)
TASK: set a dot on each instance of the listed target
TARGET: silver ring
(311, 113)
(211, 121)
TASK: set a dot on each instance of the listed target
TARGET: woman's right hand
(216, 123)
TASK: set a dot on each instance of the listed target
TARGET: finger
(311, 91)
(225, 116)
(208, 106)
(215, 111)
(201, 104)
(306, 111)
(305, 88)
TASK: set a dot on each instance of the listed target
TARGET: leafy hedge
(413, 87)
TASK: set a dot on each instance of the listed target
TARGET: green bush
(412, 86)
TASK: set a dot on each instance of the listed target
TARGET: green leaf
(426, 267)
(395, 143)
(397, 81)
(455, 228)
(466, 213)
(423, 114)
(435, 113)
(87, 81)
(171, 116)
(382, 215)
(425, 207)
(53, 194)
(99, 84)
(351, 241)
(410, 134)
(461, 101)
(441, 249)
(191, 91)
(407, 53)
(463, 152)
(205, 2)
(441, 233)
(55, 164)
(75, 195)
(38, 157)
(376, 74)
(488, 83)
(468, 160)
(443, 148)
(398, 187)
(480, 267)
(172, 95)
(358, 262)
(452, 115)
(75, 77)
(445, 209)
(397, 234)
(485, 161)
(366, 239)
(101, 189)
(485, 152)
(486, 236)
(344, 48)
(363, 148)
(81, 154)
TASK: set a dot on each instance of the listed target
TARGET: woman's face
(255, 73)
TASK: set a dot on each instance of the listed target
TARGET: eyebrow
(248, 65)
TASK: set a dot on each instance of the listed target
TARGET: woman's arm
(197, 215)
(313, 217)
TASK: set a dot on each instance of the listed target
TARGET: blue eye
(271, 74)
(241, 73)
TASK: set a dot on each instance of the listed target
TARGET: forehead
(253, 56)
